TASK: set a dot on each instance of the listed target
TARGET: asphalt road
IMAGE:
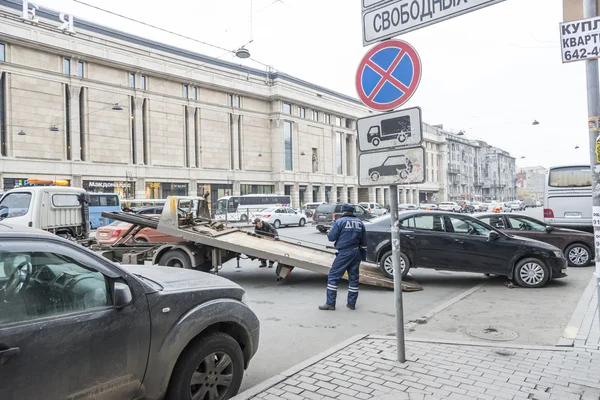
(293, 329)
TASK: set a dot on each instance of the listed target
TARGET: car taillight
(266, 215)
(117, 232)
(548, 213)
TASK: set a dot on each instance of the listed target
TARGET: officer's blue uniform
(349, 234)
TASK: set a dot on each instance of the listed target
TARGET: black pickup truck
(74, 325)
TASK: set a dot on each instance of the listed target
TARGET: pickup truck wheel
(531, 273)
(302, 222)
(277, 224)
(176, 259)
(211, 368)
(387, 267)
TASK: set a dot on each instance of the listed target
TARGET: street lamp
(242, 53)
(576, 147)
(461, 133)
(535, 122)
(117, 107)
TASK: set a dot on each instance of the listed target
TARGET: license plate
(572, 215)
(564, 270)
(102, 234)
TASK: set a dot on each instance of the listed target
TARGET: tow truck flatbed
(219, 242)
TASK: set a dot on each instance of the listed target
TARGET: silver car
(374, 208)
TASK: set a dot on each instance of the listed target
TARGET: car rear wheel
(387, 266)
(403, 174)
(531, 273)
(302, 222)
(375, 176)
(175, 259)
(212, 367)
(277, 224)
(578, 255)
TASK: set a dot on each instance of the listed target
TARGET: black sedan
(448, 241)
(576, 245)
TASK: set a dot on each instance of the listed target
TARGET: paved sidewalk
(365, 368)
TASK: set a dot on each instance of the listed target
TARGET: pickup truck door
(61, 336)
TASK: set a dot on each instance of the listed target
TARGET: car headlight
(245, 298)
(558, 254)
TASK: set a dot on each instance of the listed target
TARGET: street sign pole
(593, 100)
(397, 262)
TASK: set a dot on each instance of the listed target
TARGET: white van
(61, 210)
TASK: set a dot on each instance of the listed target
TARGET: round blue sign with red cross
(388, 75)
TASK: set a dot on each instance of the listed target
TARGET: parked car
(530, 202)
(407, 206)
(428, 206)
(155, 332)
(516, 205)
(449, 206)
(466, 207)
(373, 208)
(479, 207)
(458, 242)
(325, 214)
(499, 207)
(282, 216)
(309, 208)
(576, 245)
(109, 234)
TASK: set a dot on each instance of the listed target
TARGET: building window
(338, 121)
(287, 136)
(2, 117)
(338, 152)
(132, 80)
(186, 92)
(234, 101)
(287, 108)
(302, 112)
(348, 123)
(80, 66)
(316, 115)
(67, 66)
(2, 52)
(327, 118)
(195, 93)
(144, 82)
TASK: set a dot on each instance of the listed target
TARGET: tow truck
(206, 245)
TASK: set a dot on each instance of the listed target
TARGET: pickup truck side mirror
(122, 295)
(493, 236)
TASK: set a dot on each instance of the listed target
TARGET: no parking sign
(388, 75)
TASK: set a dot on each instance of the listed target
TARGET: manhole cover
(491, 333)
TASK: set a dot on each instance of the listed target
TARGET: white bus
(568, 197)
(242, 208)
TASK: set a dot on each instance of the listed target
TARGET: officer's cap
(348, 208)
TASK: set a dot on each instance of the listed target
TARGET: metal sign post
(593, 100)
(397, 262)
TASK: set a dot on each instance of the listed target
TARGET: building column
(140, 188)
(75, 142)
(345, 171)
(295, 194)
(138, 120)
(344, 196)
(403, 196)
(386, 196)
(11, 129)
(409, 196)
(191, 142)
(353, 157)
(372, 194)
(1, 182)
(321, 194)
(308, 195)
(417, 196)
(237, 188)
(333, 194)
(193, 188)
(354, 195)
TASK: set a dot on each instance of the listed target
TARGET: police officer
(350, 238)
(265, 229)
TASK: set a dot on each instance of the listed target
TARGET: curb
(474, 344)
(572, 329)
(282, 376)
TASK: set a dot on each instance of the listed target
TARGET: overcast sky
(489, 73)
